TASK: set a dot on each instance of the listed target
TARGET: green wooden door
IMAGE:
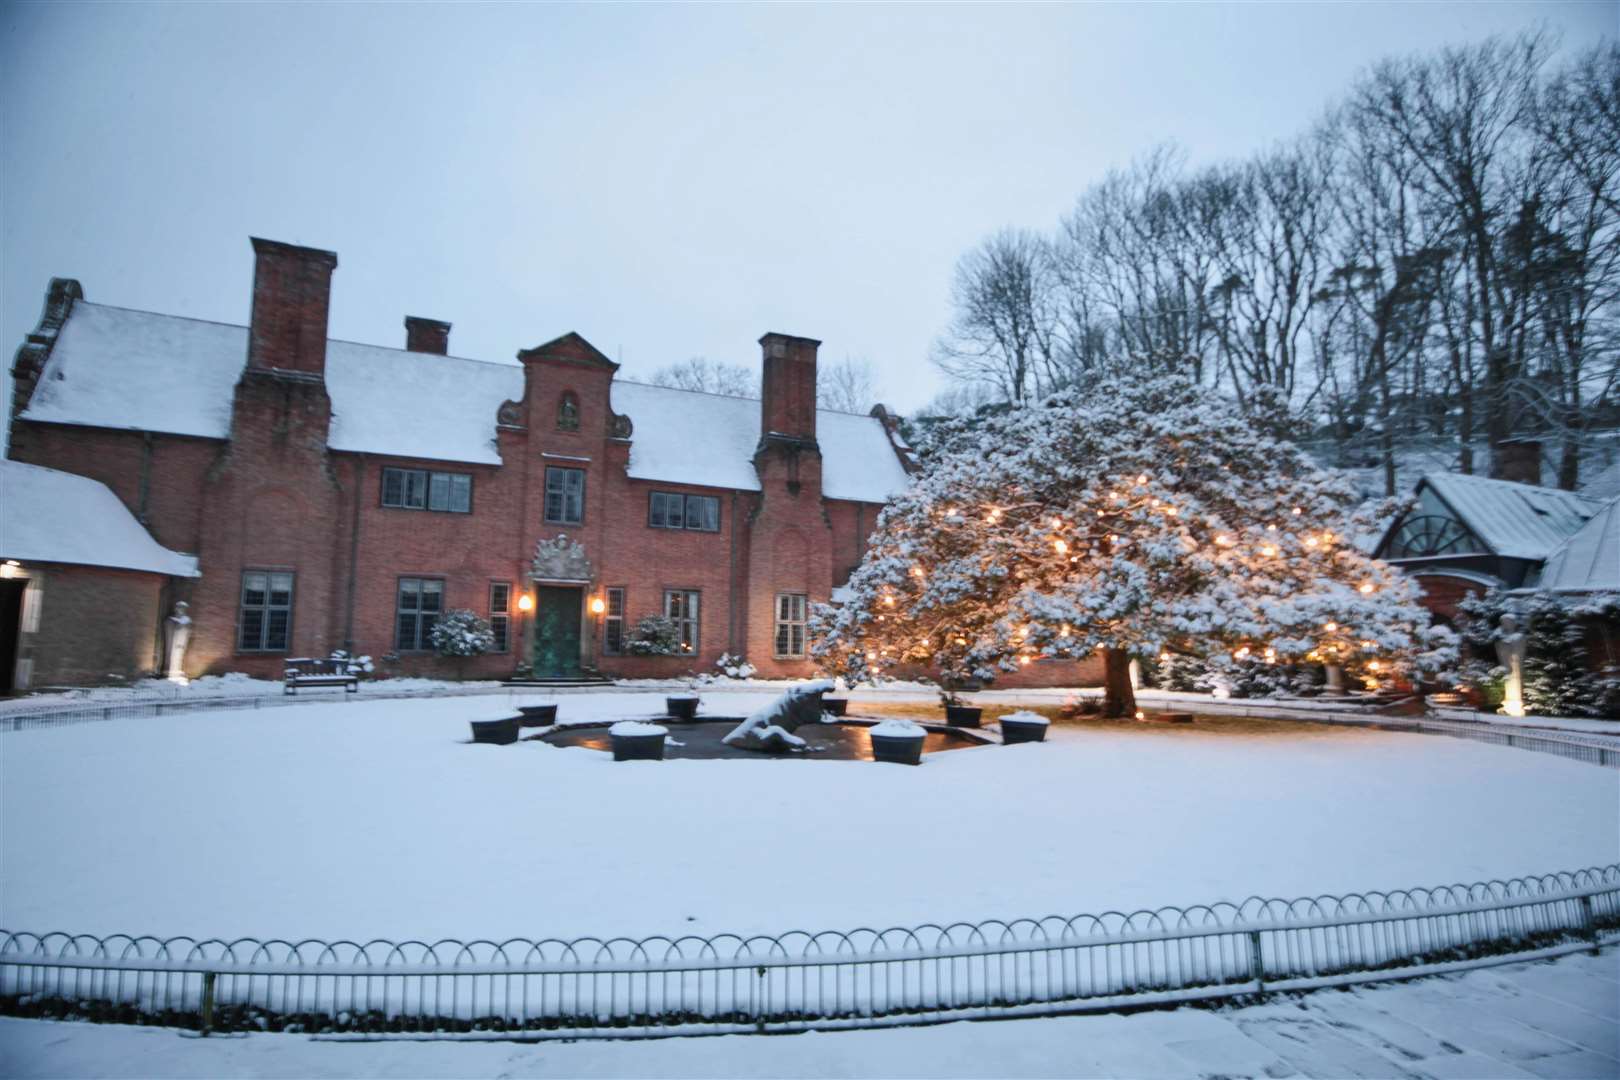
(556, 633)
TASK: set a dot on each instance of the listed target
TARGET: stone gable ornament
(560, 559)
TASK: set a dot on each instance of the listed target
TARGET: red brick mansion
(343, 496)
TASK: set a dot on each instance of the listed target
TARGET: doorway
(11, 605)
(556, 631)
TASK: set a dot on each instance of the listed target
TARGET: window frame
(422, 638)
(658, 508)
(797, 618)
(264, 608)
(691, 605)
(612, 621)
(410, 478)
(545, 510)
(500, 618)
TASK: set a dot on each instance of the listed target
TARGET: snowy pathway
(1550, 1020)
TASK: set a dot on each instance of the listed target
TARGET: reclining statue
(770, 729)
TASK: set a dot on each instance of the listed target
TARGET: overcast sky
(668, 181)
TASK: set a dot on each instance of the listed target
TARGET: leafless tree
(848, 385)
(709, 376)
(1004, 328)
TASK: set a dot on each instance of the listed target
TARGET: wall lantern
(598, 605)
(525, 602)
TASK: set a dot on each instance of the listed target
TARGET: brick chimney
(427, 335)
(1518, 460)
(788, 385)
(292, 288)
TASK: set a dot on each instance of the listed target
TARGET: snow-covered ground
(378, 819)
(1551, 1020)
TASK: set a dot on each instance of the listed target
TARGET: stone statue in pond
(770, 729)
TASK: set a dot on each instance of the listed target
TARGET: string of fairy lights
(1119, 515)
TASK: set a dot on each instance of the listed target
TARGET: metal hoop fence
(801, 980)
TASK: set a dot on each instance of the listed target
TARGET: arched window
(568, 413)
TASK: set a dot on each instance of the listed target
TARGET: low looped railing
(802, 980)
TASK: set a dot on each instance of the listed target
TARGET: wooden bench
(313, 671)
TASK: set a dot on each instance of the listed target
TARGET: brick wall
(95, 626)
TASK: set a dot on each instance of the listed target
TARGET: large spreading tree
(1132, 518)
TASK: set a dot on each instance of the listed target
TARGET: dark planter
(638, 747)
(538, 715)
(682, 708)
(900, 751)
(1017, 731)
(962, 715)
(496, 731)
(836, 705)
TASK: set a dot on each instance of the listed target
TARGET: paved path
(1551, 1020)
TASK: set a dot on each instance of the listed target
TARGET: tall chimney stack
(788, 387)
(427, 335)
(1518, 460)
(292, 290)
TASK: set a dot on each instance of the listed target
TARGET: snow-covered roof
(138, 370)
(1589, 561)
(1516, 521)
(857, 460)
(52, 516)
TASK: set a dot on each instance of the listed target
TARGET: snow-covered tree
(1130, 517)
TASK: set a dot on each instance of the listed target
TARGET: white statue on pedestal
(176, 636)
(1510, 650)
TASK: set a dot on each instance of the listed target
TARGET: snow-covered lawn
(377, 819)
(1529, 1020)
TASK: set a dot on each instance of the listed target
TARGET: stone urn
(500, 730)
(538, 715)
(682, 706)
(1021, 727)
(836, 706)
(633, 741)
(899, 742)
(963, 715)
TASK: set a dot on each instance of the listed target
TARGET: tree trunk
(1118, 697)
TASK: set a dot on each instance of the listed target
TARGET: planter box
(538, 715)
(836, 705)
(1017, 731)
(897, 749)
(501, 732)
(682, 708)
(963, 715)
(638, 747)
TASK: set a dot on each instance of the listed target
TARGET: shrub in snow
(733, 667)
(655, 635)
(354, 665)
(1133, 516)
(1560, 675)
(460, 632)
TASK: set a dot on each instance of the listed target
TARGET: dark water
(701, 739)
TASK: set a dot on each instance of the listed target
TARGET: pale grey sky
(669, 181)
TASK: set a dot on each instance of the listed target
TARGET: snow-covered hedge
(655, 635)
(1562, 677)
(460, 632)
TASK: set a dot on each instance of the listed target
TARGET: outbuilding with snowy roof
(1465, 534)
